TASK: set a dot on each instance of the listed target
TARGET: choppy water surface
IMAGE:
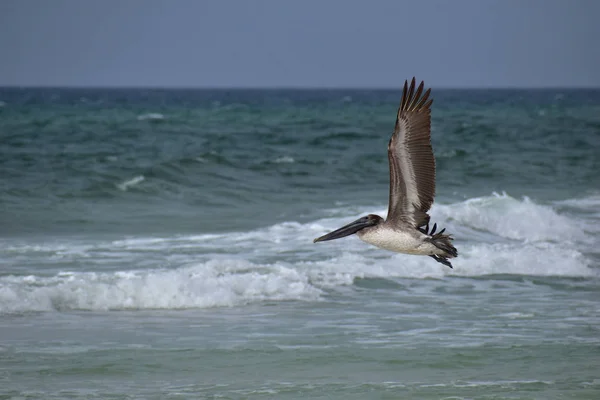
(158, 244)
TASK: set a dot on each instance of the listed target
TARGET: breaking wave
(215, 283)
(495, 235)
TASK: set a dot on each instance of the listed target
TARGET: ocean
(157, 244)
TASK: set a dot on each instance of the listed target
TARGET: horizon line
(291, 87)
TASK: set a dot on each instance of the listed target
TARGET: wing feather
(412, 164)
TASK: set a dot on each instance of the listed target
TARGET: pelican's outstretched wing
(412, 165)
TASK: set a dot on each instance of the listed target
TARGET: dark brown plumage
(412, 188)
(412, 164)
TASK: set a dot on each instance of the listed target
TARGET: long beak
(346, 230)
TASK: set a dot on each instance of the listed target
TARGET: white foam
(280, 262)
(215, 283)
(284, 160)
(230, 282)
(511, 218)
(588, 208)
(474, 260)
(131, 182)
(586, 203)
(151, 117)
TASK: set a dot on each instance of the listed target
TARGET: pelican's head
(351, 228)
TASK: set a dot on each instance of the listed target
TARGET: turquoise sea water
(157, 244)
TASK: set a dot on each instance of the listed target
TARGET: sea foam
(151, 117)
(130, 182)
(495, 235)
(507, 217)
(210, 284)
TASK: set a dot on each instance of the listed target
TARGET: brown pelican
(412, 188)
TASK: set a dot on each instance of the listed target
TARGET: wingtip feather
(414, 100)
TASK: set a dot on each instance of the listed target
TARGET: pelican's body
(409, 241)
(412, 188)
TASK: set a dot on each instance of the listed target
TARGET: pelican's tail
(442, 242)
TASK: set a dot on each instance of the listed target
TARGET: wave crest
(210, 284)
(510, 218)
(495, 235)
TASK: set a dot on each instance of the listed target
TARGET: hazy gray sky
(314, 43)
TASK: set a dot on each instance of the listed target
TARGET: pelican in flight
(412, 188)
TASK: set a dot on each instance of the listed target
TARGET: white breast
(398, 241)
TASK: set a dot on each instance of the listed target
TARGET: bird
(412, 188)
